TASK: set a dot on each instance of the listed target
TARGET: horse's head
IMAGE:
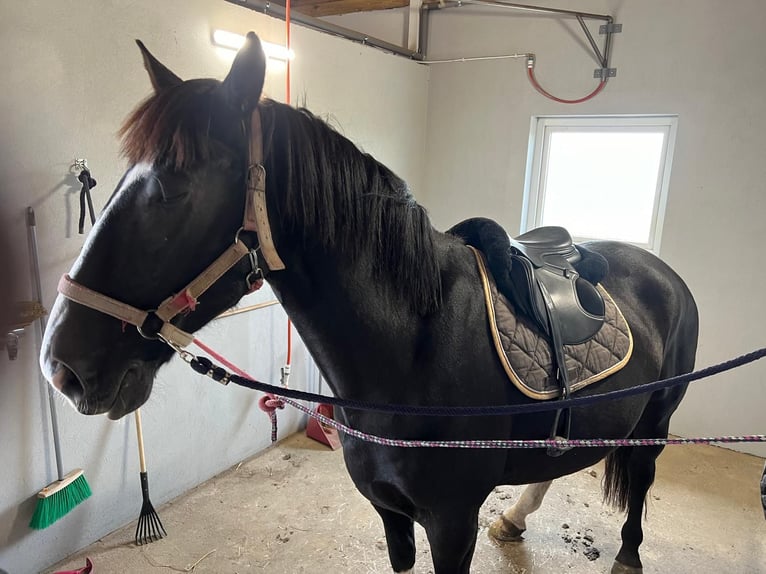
(176, 209)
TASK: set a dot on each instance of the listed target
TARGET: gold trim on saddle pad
(527, 356)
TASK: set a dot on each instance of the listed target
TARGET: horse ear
(161, 77)
(244, 84)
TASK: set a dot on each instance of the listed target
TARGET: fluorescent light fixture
(232, 41)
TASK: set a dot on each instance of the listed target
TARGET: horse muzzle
(68, 384)
(83, 364)
(131, 391)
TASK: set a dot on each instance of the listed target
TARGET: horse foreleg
(513, 522)
(400, 539)
(452, 535)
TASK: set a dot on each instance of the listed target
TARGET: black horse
(390, 309)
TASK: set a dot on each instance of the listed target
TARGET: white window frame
(537, 159)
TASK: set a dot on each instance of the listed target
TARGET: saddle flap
(577, 306)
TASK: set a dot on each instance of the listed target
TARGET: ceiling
(318, 8)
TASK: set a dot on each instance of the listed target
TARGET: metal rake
(149, 527)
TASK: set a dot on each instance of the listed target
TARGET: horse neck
(352, 322)
(332, 215)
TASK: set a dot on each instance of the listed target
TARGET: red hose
(287, 31)
(289, 341)
(539, 88)
(287, 97)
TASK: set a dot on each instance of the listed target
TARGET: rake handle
(140, 435)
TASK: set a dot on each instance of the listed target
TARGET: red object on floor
(87, 569)
(321, 432)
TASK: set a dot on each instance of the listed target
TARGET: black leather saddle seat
(546, 244)
(547, 276)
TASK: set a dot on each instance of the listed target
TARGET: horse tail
(616, 481)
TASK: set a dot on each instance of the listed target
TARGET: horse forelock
(339, 196)
(172, 126)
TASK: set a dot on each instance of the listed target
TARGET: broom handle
(37, 294)
(140, 434)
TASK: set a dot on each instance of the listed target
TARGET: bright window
(603, 177)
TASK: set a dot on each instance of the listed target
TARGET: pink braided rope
(274, 402)
(505, 444)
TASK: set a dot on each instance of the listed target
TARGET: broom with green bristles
(58, 498)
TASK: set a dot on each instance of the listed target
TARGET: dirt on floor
(293, 509)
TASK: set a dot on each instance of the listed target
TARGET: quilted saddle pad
(527, 355)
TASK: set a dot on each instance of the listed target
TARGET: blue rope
(205, 366)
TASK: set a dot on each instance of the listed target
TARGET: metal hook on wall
(79, 165)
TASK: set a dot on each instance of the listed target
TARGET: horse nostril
(68, 383)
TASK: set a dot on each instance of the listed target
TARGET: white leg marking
(530, 500)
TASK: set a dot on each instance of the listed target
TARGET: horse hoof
(620, 568)
(503, 530)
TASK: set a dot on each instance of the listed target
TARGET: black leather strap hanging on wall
(88, 183)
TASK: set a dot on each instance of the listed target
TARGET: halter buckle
(256, 273)
(150, 336)
(185, 355)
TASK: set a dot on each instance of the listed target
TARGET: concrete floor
(293, 509)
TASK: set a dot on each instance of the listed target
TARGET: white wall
(70, 76)
(700, 59)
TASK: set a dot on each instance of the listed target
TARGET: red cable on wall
(289, 341)
(536, 85)
(539, 88)
(287, 32)
(287, 97)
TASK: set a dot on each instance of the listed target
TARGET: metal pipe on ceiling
(521, 7)
(423, 33)
(475, 59)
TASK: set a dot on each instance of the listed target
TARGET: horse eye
(174, 196)
(168, 189)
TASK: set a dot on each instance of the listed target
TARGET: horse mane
(339, 196)
(334, 194)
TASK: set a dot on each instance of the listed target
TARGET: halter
(255, 219)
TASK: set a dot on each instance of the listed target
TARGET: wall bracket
(611, 28)
(604, 73)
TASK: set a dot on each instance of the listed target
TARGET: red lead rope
(268, 403)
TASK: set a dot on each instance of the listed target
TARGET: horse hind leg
(513, 522)
(637, 475)
(630, 474)
(400, 539)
